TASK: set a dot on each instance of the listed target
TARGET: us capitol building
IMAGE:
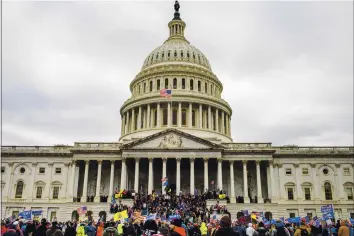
(186, 138)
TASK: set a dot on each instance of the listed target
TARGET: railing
(315, 149)
(97, 145)
(248, 145)
(56, 148)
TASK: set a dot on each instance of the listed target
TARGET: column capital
(164, 159)
(124, 158)
(99, 162)
(191, 159)
(112, 162)
(50, 164)
(337, 165)
(313, 165)
(280, 165)
(178, 159)
(137, 159)
(34, 164)
(296, 165)
(87, 162)
(258, 162)
(206, 159)
(150, 158)
(231, 162)
(219, 159)
(66, 164)
(270, 163)
(244, 162)
(73, 162)
(11, 164)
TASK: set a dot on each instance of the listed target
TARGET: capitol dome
(195, 105)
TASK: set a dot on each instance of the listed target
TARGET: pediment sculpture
(171, 141)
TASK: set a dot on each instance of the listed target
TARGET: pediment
(171, 139)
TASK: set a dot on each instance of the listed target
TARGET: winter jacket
(262, 231)
(110, 231)
(179, 230)
(54, 232)
(226, 232)
(129, 231)
(70, 231)
(343, 229)
(81, 231)
(41, 230)
(302, 227)
(90, 230)
(203, 229)
(100, 229)
(10, 232)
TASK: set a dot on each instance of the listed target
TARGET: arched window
(328, 191)
(139, 89)
(19, 189)
(290, 190)
(144, 87)
(199, 86)
(151, 86)
(158, 84)
(206, 87)
(174, 83)
(155, 118)
(183, 83)
(164, 116)
(191, 84)
(193, 118)
(166, 83)
(174, 116)
(211, 89)
(307, 188)
(184, 117)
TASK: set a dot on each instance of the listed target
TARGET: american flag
(167, 93)
(82, 210)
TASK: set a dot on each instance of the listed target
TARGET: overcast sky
(286, 67)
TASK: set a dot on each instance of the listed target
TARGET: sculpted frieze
(171, 141)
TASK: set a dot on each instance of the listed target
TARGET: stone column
(209, 117)
(123, 125)
(98, 184)
(222, 122)
(158, 116)
(84, 191)
(127, 124)
(10, 177)
(50, 165)
(123, 175)
(136, 175)
(190, 115)
(111, 182)
(298, 188)
(339, 185)
(133, 120)
(217, 120)
(200, 125)
(192, 176)
(314, 183)
(206, 175)
(169, 114)
(148, 125)
(179, 120)
(219, 173)
(259, 185)
(164, 161)
(150, 182)
(271, 177)
(178, 176)
(72, 185)
(232, 182)
(32, 181)
(139, 119)
(245, 185)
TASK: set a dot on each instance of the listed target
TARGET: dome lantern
(177, 25)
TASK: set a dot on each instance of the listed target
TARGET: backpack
(304, 232)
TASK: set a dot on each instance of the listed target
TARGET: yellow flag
(121, 215)
(253, 216)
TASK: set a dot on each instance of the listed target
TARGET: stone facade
(186, 138)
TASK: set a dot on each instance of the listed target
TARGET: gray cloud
(287, 67)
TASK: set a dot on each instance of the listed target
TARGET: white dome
(176, 50)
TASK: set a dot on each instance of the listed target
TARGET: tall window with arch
(19, 189)
(174, 83)
(166, 83)
(158, 85)
(151, 84)
(211, 89)
(164, 116)
(183, 83)
(328, 191)
(144, 87)
(193, 118)
(191, 84)
(199, 86)
(206, 87)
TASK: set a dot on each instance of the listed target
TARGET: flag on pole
(82, 210)
(167, 93)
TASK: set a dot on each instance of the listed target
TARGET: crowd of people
(171, 215)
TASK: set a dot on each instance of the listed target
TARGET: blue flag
(25, 214)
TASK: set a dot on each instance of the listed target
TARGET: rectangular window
(346, 171)
(2, 169)
(206, 87)
(144, 87)
(307, 194)
(199, 86)
(288, 171)
(290, 194)
(166, 83)
(57, 170)
(305, 171)
(183, 83)
(191, 84)
(41, 170)
(349, 193)
(39, 192)
(151, 85)
(55, 192)
(292, 215)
